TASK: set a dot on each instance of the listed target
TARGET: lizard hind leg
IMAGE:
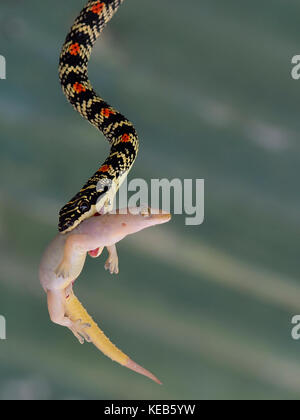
(56, 307)
(79, 328)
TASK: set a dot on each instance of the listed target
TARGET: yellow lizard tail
(75, 311)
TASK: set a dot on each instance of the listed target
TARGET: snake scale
(117, 129)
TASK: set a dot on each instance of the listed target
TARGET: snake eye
(84, 206)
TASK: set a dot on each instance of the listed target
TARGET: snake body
(117, 129)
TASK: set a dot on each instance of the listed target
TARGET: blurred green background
(207, 308)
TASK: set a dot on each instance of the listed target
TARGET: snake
(117, 129)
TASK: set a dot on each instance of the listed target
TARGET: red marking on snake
(98, 8)
(125, 138)
(78, 87)
(74, 49)
(104, 168)
(106, 112)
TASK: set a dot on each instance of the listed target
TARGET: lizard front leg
(75, 246)
(112, 262)
(56, 308)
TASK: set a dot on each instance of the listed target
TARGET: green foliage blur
(207, 308)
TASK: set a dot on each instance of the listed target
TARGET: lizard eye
(146, 212)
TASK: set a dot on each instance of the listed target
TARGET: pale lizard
(64, 260)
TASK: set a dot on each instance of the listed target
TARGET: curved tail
(75, 311)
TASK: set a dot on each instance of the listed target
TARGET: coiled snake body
(116, 128)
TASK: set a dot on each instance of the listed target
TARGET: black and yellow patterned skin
(120, 132)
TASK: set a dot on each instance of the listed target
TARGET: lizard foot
(79, 330)
(112, 264)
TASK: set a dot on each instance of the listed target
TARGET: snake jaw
(68, 220)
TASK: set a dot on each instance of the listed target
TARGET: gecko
(64, 259)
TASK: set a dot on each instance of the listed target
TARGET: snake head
(74, 212)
